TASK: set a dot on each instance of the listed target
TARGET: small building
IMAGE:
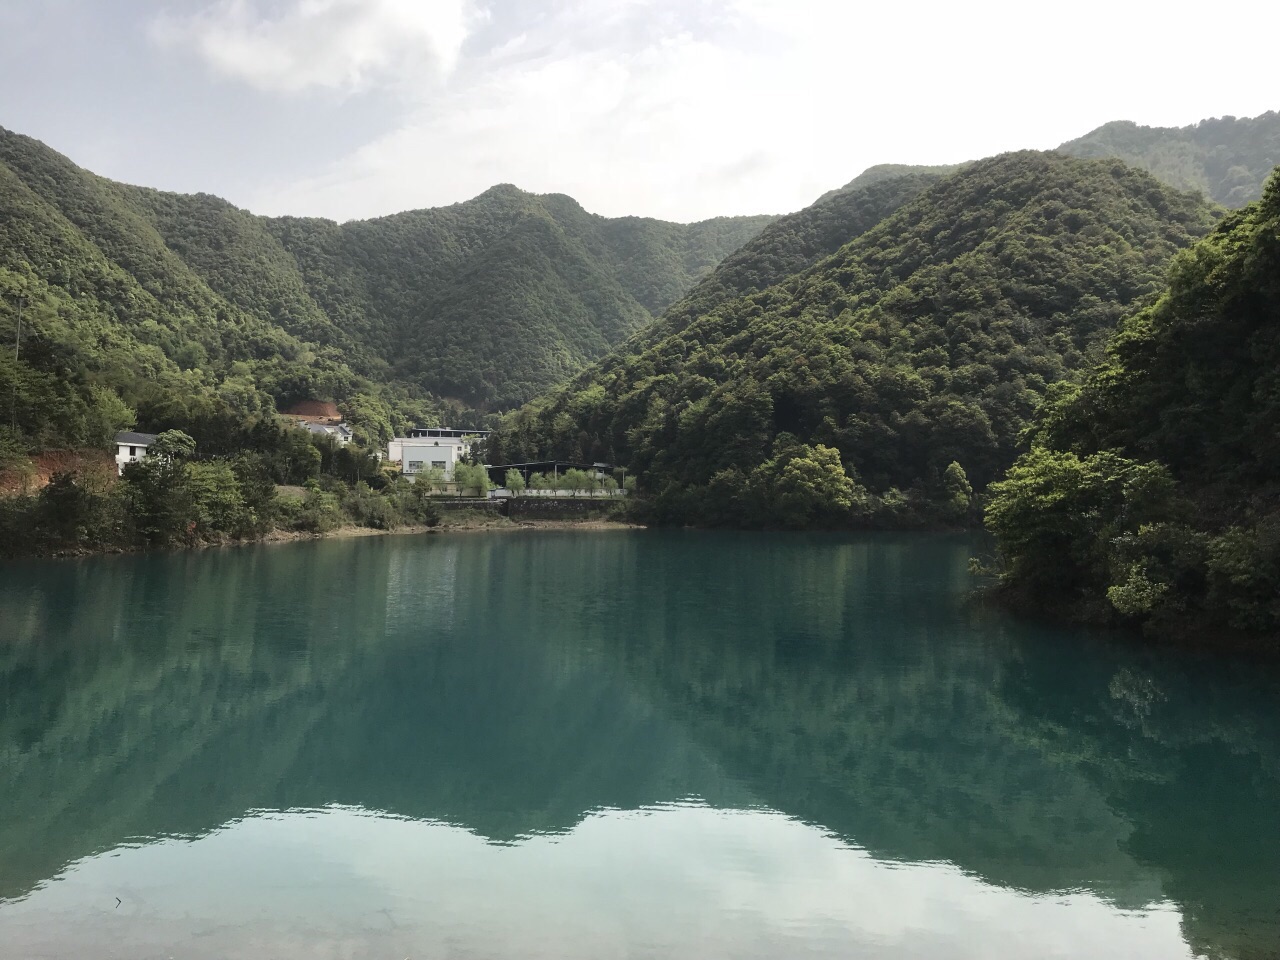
(320, 418)
(339, 431)
(433, 448)
(131, 447)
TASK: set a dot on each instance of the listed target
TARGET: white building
(339, 431)
(131, 447)
(432, 448)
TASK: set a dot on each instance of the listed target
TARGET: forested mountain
(889, 171)
(1226, 158)
(794, 242)
(185, 307)
(492, 300)
(115, 322)
(1152, 490)
(888, 380)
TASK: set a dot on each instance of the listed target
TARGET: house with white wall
(433, 448)
(339, 431)
(131, 447)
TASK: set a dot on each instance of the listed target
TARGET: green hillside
(116, 324)
(494, 300)
(889, 171)
(1226, 158)
(885, 382)
(1152, 491)
(794, 242)
(150, 303)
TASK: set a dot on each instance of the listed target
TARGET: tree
(160, 499)
(515, 481)
(472, 477)
(1056, 517)
(219, 506)
(172, 445)
(812, 489)
(957, 491)
(573, 480)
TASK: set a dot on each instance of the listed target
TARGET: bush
(368, 509)
(321, 511)
(413, 502)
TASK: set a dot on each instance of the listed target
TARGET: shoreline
(344, 532)
(498, 525)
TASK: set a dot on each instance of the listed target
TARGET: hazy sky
(681, 109)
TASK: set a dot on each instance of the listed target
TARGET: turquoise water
(613, 744)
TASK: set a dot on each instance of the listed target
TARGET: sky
(678, 109)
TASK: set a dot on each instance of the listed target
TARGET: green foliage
(514, 481)
(1187, 399)
(321, 510)
(367, 509)
(472, 479)
(928, 340)
(892, 171)
(1226, 158)
(412, 502)
(161, 500)
(795, 242)
(77, 512)
(138, 301)
(493, 300)
(957, 490)
(173, 445)
(217, 501)
(811, 489)
(1055, 514)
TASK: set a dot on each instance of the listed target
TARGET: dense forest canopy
(1152, 490)
(494, 300)
(792, 243)
(889, 380)
(167, 309)
(1226, 158)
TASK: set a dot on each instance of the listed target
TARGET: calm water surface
(613, 745)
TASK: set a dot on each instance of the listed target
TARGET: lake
(614, 744)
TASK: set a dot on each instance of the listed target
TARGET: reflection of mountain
(511, 684)
(265, 678)
(1189, 752)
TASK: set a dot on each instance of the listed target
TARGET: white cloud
(691, 109)
(340, 45)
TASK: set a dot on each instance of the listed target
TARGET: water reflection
(525, 711)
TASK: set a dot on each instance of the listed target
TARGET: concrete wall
(563, 508)
(448, 504)
(427, 451)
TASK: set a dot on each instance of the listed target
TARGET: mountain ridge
(191, 297)
(926, 340)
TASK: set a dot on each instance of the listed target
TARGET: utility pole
(17, 346)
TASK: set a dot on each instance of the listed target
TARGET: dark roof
(550, 465)
(418, 433)
(325, 428)
(135, 439)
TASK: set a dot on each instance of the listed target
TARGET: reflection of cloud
(670, 881)
(341, 45)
